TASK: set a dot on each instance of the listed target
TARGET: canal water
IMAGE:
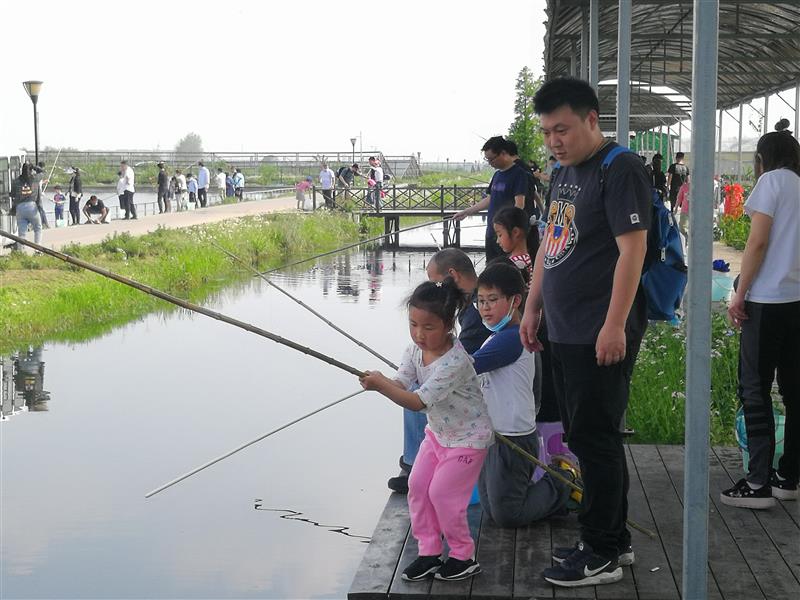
(105, 422)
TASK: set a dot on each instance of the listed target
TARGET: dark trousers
(163, 201)
(202, 196)
(42, 216)
(328, 195)
(130, 207)
(123, 204)
(592, 401)
(770, 344)
(492, 249)
(74, 210)
(193, 198)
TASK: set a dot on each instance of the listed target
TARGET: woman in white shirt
(767, 308)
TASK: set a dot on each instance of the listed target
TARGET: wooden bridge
(408, 201)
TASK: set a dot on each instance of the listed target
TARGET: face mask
(501, 323)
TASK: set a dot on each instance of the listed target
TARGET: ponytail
(511, 217)
(441, 298)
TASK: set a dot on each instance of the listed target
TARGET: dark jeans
(130, 207)
(328, 195)
(163, 201)
(202, 196)
(74, 210)
(592, 401)
(193, 198)
(770, 343)
(123, 204)
(239, 193)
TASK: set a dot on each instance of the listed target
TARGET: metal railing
(397, 199)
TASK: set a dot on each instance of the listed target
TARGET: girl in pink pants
(458, 434)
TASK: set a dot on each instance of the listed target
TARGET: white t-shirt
(220, 180)
(378, 174)
(129, 176)
(449, 389)
(777, 194)
(326, 177)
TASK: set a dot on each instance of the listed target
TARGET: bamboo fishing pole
(250, 443)
(183, 303)
(561, 478)
(303, 304)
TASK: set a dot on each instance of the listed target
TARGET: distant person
(75, 192)
(180, 191)
(25, 203)
(59, 199)
(659, 180)
(96, 211)
(192, 187)
(238, 184)
(219, 178)
(163, 189)
(508, 187)
(682, 207)
(121, 192)
(346, 176)
(130, 189)
(533, 201)
(376, 177)
(230, 190)
(203, 183)
(327, 179)
(677, 175)
(300, 189)
(766, 306)
(440, 373)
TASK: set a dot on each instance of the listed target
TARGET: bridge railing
(403, 198)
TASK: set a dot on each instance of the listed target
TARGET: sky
(434, 77)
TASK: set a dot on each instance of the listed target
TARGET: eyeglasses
(487, 302)
(489, 159)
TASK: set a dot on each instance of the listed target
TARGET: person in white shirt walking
(203, 182)
(180, 191)
(220, 181)
(238, 184)
(327, 179)
(128, 176)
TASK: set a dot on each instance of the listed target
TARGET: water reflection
(22, 383)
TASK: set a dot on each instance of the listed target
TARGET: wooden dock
(751, 554)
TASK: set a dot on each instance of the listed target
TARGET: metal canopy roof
(759, 53)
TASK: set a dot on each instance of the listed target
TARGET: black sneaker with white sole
(422, 567)
(743, 496)
(782, 489)
(455, 570)
(583, 567)
(626, 556)
(398, 484)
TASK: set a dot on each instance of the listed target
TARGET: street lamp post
(32, 88)
(353, 143)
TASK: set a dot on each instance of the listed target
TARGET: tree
(525, 128)
(191, 142)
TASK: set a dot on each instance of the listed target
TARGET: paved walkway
(93, 234)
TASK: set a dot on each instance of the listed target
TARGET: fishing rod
(250, 443)
(53, 168)
(356, 244)
(304, 305)
(183, 303)
(561, 478)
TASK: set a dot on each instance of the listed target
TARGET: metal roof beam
(659, 36)
(570, 3)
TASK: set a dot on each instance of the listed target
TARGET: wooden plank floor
(752, 554)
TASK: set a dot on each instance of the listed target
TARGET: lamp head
(353, 141)
(32, 88)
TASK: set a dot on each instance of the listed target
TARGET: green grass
(657, 402)
(734, 231)
(47, 299)
(450, 178)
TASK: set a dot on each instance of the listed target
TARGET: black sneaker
(455, 570)
(405, 466)
(626, 556)
(583, 567)
(743, 496)
(422, 567)
(783, 489)
(398, 484)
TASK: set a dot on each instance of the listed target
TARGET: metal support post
(797, 110)
(624, 72)
(584, 45)
(718, 169)
(594, 42)
(739, 159)
(767, 128)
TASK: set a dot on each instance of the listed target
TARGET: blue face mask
(501, 323)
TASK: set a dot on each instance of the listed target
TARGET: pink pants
(439, 490)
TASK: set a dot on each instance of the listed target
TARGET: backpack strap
(607, 160)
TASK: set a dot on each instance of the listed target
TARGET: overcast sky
(432, 76)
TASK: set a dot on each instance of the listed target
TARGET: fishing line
(293, 515)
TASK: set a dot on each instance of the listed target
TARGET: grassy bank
(43, 298)
(657, 401)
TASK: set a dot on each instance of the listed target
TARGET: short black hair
(566, 91)
(504, 276)
(679, 155)
(496, 144)
(200, 163)
(512, 148)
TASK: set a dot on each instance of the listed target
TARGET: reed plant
(43, 298)
(657, 400)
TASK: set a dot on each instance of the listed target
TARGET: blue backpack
(664, 273)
